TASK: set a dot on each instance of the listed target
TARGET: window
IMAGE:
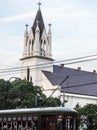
(49, 123)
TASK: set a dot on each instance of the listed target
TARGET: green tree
(52, 102)
(88, 117)
(24, 94)
(4, 93)
(21, 94)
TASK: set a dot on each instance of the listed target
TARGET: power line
(75, 86)
(68, 87)
(79, 85)
(55, 89)
(58, 76)
(4, 73)
(7, 70)
(76, 58)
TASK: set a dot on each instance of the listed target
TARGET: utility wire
(33, 68)
(55, 90)
(76, 58)
(48, 64)
(69, 63)
(68, 87)
(58, 76)
(73, 86)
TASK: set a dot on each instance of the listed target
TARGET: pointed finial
(26, 26)
(49, 31)
(26, 31)
(49, 24)
(39, 5)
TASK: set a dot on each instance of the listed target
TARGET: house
(72, 86)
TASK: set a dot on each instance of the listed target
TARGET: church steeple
(37, 42)
(37, 49)
(38, 18)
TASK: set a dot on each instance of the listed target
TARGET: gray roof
(38, 18)
(78, 81)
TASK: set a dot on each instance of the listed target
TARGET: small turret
(26, 35)
(49, 31)
(49, 40)
(26, 30)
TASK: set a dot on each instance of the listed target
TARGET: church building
(72, 86)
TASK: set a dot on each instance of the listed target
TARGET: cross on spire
(39, 4)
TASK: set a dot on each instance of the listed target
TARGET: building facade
(73, 86)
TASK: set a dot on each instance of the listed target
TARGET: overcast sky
(74, 29)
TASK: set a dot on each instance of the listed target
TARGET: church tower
(37, 55)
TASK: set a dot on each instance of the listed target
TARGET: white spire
(50, 41)
(25, 40)
(26, 31)
(49, 31)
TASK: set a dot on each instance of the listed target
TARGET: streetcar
(45, 118)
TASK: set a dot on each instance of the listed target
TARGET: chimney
(94, 71)
(79, 68)
(62, 65)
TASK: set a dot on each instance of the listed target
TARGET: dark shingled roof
(79, 81)
(38, 18)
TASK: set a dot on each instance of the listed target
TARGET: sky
(74, 30)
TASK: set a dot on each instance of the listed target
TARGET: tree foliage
(4, 93)
(21, 94)
(88, 117)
